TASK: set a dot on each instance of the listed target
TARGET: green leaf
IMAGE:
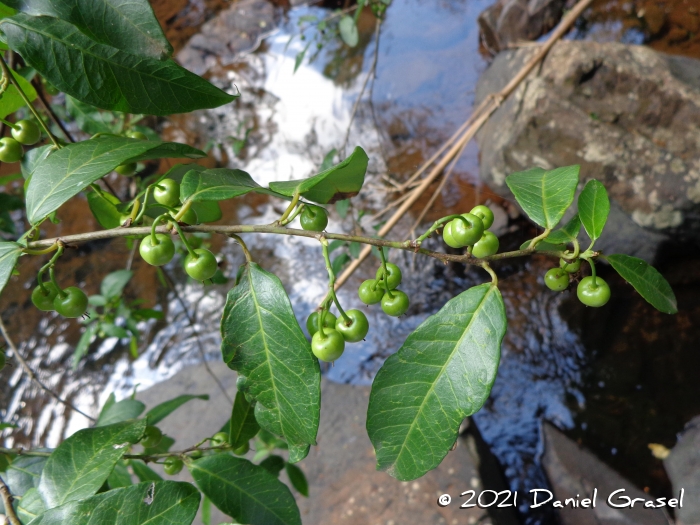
(23, 474)
(106, 77)
(207, 211)
(648, 282)
(30, 506)
(68, 171)
(120, 476)
(121, 411)
(342, 207)
(567, 233)
(90, 119)
(83, 462)
(348, 31)
(544, 246)
(243, 426)
(298, 479)
(33, 157)
(216, 184)
(161, 503)
(84, 344)
(263, 342)
(246, 492)
(545, 195)
(129, 25)
(159, 412)
(9, 253)
(340, 182)
(594, 207)
(144, 472)
(103, 206)
(442, 374)
(113, 284)
(273, 464)
(11, 100)
(340, 261)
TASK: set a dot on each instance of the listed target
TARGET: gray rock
(627, 114)
(344, 486)
(683, 468)
(509, 21)
(574, 473)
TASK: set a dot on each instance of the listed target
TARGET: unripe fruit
(556, 279)
(312, 322)
(173, 466)
(152, 437)
(10, 150)
(133, 134)
(394, 278)
(167, 193)
(467, 232)
(356, 330)
(157, 254)
(593, 294)
(484, 213)
(126, 169)
(26, 132)
(370, 292)
(201, 267)
(487, 245)
(71, 302)
(329, 345)
(570, 267)
(395, 304)
(219, 439)
(43, 300)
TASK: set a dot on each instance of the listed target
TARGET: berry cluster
(470, 230)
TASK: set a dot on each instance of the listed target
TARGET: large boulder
(627, 114)
(683, 467)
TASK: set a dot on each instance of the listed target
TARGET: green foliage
(246, 492)
(103, 206)
(129, 25)
(443, 373)
(243, 426)
(119, 412)
(348, 31)
(545, 195)
(648, 282)
(83, 462)
(129, 83)
(271, 352)
(340, 182)
(162, 503)
(9, 253)
(567, 233)
(68, 171)
(593, 208)
(159, 412)
(216, 185)
(11, 100)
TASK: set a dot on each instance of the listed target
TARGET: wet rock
(344, 486)
(683, 467)
(509, 21)
(238, 29)
(574, 473)
(627, 114)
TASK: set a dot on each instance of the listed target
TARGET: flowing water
(615, 380)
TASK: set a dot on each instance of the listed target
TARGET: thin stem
(184, 240)
(32, 376)
(185, 208)
(8, 74)
(52, 274)
(50, 249)
(52, 261)
(494, 277)
(52, 115)
(290, 208)
(8, 123)
(7, 500)
(331, 281)
(590, 261)
(160, 218)
(385, 277)
(294, 214)
(436, 225)
(239, 241)
(277, 230)
(534, 242)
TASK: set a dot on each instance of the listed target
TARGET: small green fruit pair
(71, 302)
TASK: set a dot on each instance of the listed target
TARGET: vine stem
(290, 208)
(534, 242)
(30, 373)
(6, 71)
(277, 230)
(331, 283)
(239, 241)
(386, 273)
(7, 501)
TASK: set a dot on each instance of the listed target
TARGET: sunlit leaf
(9, 253)
(11, 100)
(567, 233)
(545, 195)
(442, 374)
(263, 342)
(593, 208)
(121, 411)
(246, 492)
(348, 31)
(159, 412)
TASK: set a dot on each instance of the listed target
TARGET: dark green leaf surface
(342, 181)
(9, 253)
(263, 342)
(82, 463)
(593, 208)
(104, 207)
(216, 184)
(68, 171)
(30, 506)
(298, 479)
(273, 464)
(544, 195)
(243, 426)
(106, 77)
(144, 472)
(442, 374)
(647, 280)
(567, 233)
(120, 476)
(11, 100)
(121, 411)
(113, 284)
(90, 119)
(162, 503)
(159, 412)
(23, 474)
(129, 25)
(246, 492)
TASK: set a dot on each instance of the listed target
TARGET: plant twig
(480, 116)
(49, 110)
(7, 501)
(30, 373)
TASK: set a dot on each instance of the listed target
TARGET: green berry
(484, 213)
(219, 439)
(394, 278)
(568, 267)
(43, 298)
(327, 345)
(312, 322)
(10, 150)
(395, 304)
(26, 132)
(173, 466)
(556, 279)
(71, 302)
(356, 330)
(487, 245)
(370, 292)
(152, 437)
(592, 294)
